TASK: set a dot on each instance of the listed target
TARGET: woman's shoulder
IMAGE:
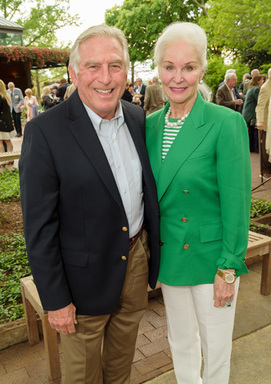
(218, 111)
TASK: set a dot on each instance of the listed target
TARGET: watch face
(229, 278)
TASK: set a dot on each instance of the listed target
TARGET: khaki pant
(102, 349)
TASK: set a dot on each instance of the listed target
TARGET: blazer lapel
(84, 133)
(189, 138)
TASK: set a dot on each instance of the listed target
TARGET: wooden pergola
(16, 61)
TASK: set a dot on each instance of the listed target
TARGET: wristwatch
(229, 277)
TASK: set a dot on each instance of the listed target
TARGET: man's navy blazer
(73, 213)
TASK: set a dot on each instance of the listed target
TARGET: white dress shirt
(123, 159)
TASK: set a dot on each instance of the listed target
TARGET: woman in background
(31, 104)
(48, 101)
(249, 111)
(6, 128)
(200, 159)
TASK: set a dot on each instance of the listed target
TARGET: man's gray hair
(99, 30)
(182, 31)
(255, 72)
(229, 75)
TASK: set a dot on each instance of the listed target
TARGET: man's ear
(73, 76)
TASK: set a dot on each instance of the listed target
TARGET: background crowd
(151, 97)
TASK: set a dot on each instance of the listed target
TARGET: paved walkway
(251, 357)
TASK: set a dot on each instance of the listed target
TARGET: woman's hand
(223, 292)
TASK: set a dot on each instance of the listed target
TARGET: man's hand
(223, 292)
(63, 319)
(260, 126)
(239, 102)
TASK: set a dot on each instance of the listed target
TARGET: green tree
(241, 26)
(40, 21)
(143, 21)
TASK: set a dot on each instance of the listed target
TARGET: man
(246, 79)
(17, 100)
(254, 72)
(61, 90)
(237, 95)
(225, 94)
(86, 188)
(262, 111)
(140, 90)
(154, 97)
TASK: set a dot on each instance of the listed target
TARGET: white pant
(194, 323)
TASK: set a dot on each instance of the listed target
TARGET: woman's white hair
(98, 30)
(182, 31)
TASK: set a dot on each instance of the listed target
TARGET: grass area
(9, 185)
(13, 266)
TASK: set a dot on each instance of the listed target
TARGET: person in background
(140, 90)
(48, 101)
(254, 72)
(246, 79)
(199, 153)
(249, 111)
(62, 89)
(236, 93)
(31, 104)
(126, 94)
(69, 90)
(90, 212)
(262, 113)
(6, 129)
(17, 100)
(153, 97)
(226, 95)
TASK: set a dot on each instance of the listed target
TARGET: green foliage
(260, 207)
(13, 266)
(142, 22)
(9, 185)
(241, 26)
(40, 21)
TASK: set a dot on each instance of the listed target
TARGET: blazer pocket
(77, 259)
(199, 154)
(210, 232)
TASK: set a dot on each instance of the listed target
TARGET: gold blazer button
(124, 257)
(186, 246)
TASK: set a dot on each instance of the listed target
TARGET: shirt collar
(97, 120)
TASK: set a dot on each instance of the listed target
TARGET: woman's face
(261, 81)
(180, 72)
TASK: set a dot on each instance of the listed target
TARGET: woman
(47, 99)
(31, 104)
(6, 129)
(249, 111)
(200, 159)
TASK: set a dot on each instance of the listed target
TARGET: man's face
(11, 87)
(138, 82)
(101, 78)
(232, 81)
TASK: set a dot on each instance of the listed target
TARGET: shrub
(9, 185)
(13, 266)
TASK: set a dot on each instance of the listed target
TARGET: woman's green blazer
(204, 193)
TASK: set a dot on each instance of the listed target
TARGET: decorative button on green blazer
(204, 192)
